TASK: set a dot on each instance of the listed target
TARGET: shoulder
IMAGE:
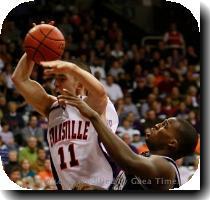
(110, 109)
(52, 101)
(163, 166)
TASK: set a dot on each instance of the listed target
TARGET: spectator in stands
(150, 119)
(3, 86)
(25, 169)
(26, 182)
(136, 73)
(32, 129)
(134, 122)
(50, 184)
(127, 138)
(158, 75)
(182, 68)
(167, 84)
(113, 89)
(13, 118)
(12, 161)
(157, 107)
(192, 56)
(167, 107)
(5, 134)
(7, 73)
(147, 105)
(142, 148)
(126, 127)
(141, 92)
(193, 119)
(12, 33)
(14, 174)
(15, 121)
(191, 79)
(162, 49)
(173, 38)
(175, 96)
(3, 107)
(113, 32)
(4, 56)
(39, 164)
(182, 111)
(129, 106)
(30, 151)
(3, 152)
(117, 52)
(46, 173)
(97, 67)
(150, 81)
(12, 145)
(116, 70)
(65, 26)
(192, 94)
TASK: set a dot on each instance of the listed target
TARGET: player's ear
(79, 88)
(173, 144)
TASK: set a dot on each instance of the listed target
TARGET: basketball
(44, 42)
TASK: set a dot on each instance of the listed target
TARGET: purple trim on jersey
(178, 179)
(115, 168)
(55, 107)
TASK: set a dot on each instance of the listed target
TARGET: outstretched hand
(69, 99)
(43, 22)
(57, 67)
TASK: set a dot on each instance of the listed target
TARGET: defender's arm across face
(97, 97)
(31, 90)
(151, 169)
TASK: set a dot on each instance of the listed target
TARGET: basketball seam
(50, 37)
(41, 54)
(29, 47)
(41, 43)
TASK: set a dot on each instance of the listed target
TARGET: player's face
(65, 81)
(159, 136)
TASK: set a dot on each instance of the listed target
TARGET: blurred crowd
(146, 84)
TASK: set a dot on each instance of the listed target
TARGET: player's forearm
(93, 86)
(23, 70)
(116, 148)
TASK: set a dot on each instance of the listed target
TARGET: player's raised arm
(32, 91)
(97, 97)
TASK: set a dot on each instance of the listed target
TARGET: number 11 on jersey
(73, 162)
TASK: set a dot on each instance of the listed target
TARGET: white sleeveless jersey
(75, 151)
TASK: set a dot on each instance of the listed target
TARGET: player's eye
(165, 124)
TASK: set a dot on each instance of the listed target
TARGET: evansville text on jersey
(67, 130)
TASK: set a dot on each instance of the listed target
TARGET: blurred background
(146, 53)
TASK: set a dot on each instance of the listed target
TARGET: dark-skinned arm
(152, 168)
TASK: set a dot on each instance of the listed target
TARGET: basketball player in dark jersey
(168, 141)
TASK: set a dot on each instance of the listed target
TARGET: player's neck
(81, 92)
(163, 153)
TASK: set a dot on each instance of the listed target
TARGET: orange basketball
(44, 42)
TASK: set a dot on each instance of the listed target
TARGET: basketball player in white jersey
(168, 141)
(73, 142)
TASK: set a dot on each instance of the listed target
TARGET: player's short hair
(187, 138)
(81, 65)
